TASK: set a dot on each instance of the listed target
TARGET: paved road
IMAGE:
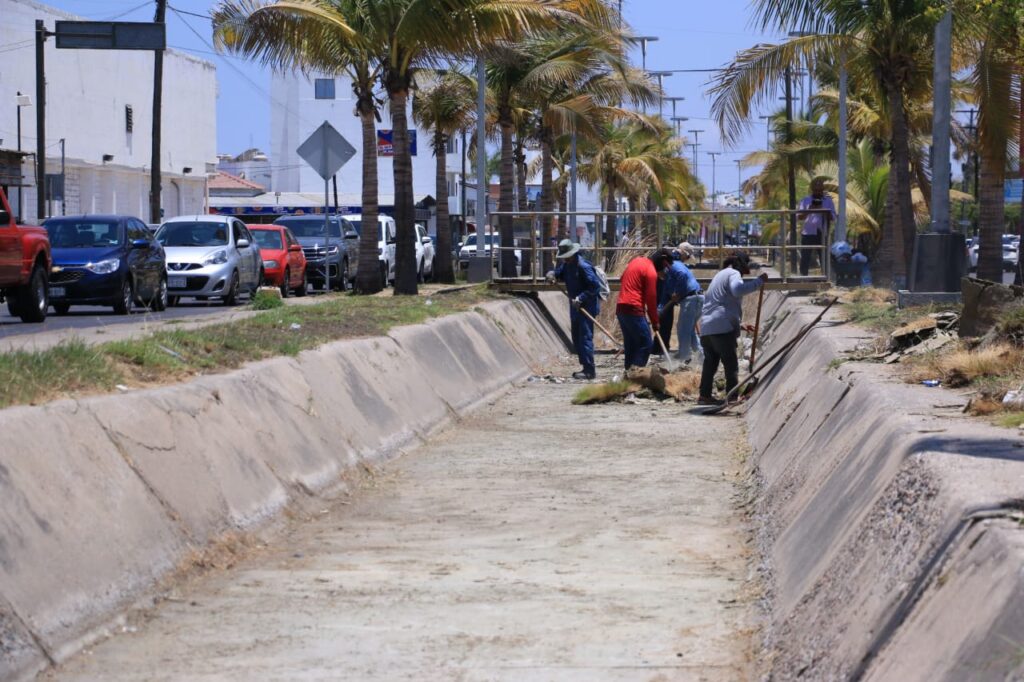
(87, 317)
(534, 541)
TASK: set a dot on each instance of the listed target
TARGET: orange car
(284, 263)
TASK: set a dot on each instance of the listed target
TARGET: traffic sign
(326, 150)
(110, 35)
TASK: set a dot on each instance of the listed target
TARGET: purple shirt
(815, 222)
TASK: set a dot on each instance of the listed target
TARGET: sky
(692, 34)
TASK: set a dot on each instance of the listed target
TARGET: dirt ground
(535, 540)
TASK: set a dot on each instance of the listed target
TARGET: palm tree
(887, 44)
(287, 37)
(996, 51)
(445, 107)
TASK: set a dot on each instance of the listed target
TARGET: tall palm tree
(307, 36)
(996, 52)
(886, 42)
(445, 107)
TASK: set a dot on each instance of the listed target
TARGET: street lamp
(674, 100)
(695, 144)
(643, 40)
(22, 101)
(714, 192)
(767, 132)
(660, 75)
(678, 120)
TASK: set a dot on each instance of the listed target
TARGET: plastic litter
(931, 383)
(295, 326)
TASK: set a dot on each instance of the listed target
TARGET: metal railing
(713, 233)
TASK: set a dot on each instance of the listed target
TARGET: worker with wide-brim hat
(584, 288)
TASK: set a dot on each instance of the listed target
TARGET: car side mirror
(351, 235)
(242, 243)
(140, 244)
(5, 218)
(426, 240)
(295, 247)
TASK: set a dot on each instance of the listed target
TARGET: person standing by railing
(584, 287)
(638, 303)
(816, 224)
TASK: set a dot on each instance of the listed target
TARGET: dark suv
(312, 235)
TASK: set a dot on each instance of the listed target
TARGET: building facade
(99, 103)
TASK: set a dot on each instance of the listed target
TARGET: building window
(129, 118)
(451, 146)
(324, 88)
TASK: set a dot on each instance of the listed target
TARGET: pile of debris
(926, 334)
(647, 384)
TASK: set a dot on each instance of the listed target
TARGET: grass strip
(74, 368)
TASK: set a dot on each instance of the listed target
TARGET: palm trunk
(406, 267)
(891, 265)
(506, 196)
(520, 156)
(368, 277)
(547, 196)
(443, 271)
(993, 140)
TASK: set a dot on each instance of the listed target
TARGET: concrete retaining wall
(100, 498)
(889, 521)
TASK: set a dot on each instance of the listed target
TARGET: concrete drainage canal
(428, 505)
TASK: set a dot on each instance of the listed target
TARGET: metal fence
(712, 233)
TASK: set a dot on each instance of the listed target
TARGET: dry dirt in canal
(534, 541)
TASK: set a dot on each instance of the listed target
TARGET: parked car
(24, 266)
(386, 231)
(426, 258)
(284, 263)
(105, 260)
(1011, 253)
(210, 256)
(337, 259)
(468, 250)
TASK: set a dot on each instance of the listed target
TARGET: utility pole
(462, 197)
(714, 189)
(841, 224)
(739, 181)
(572, 181)
(481, 259)
(791, 172)
(941, 124)
(63, 182)
(696, 143)
(643, 54)
(158, 87)
(40, 120)
(22, 101)
(767, 132)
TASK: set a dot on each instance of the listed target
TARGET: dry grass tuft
(603, 393)
(983, 407)
(962, 366)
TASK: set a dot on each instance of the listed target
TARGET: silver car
(210, 256)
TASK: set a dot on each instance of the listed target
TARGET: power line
(191, 14)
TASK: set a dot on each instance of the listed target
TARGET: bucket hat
(567, 249)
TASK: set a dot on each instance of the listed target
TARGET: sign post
(326, 150)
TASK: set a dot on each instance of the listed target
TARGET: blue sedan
(105, 260)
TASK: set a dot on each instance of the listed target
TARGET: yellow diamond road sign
(326, 150)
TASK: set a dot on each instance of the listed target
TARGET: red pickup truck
(24, 266)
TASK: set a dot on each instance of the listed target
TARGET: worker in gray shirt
(720, 323)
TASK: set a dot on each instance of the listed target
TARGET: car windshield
(305, 227)
(267, 239)
(488, 240)
(70, 233)
(193, 234)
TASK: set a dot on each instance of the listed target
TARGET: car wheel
(32, 300)
(286, 289)
(301, 290)
(231, 297)
(124, 304)
(61, 308)
(343, 279)
(421, 273)
(384, 275)
(260, 281)
(159, 302)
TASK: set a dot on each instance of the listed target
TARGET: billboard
(1013, 190)
(386, 147)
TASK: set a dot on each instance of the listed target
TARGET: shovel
(596, 323)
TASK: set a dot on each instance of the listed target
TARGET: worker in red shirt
(638, 302)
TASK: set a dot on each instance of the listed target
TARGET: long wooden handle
(757, 326)
(668, 358)
(598, 324)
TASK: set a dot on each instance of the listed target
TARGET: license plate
(176, 282)
(57, 292)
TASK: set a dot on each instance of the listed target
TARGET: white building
(299, 105)
(100, 103)
(252, 165)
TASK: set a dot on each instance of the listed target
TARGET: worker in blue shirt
(584, 289)
(681, 288)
